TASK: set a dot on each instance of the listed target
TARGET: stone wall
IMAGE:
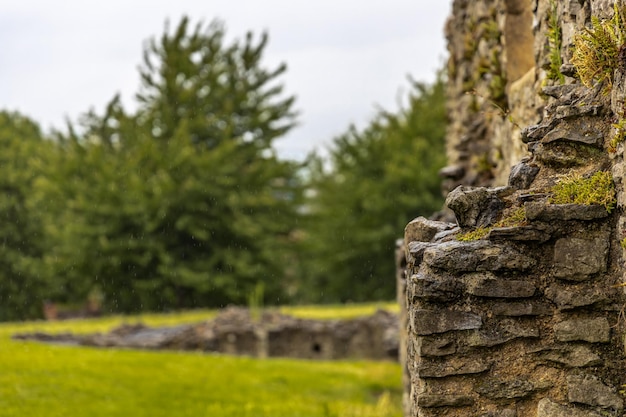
(526, 317)
(235, 331)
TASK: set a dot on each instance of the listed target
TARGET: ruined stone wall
(516, 309)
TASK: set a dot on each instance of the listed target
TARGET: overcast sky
(344, 57)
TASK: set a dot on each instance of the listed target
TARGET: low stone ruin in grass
(235, 331)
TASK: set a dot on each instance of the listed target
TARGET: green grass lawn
(47, 380)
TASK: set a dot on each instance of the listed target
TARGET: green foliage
(105, 382)
(23, 156)
(554, 42)
(184, 203)
(596, 49)
(374, 182)
(574, 189)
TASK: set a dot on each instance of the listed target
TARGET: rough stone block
(475, 206)
(451, 366)
(415, 252)
(426, 322)
(577, 356)
(576, 259)
(505, 331)
(488, 285)
(435, 346)
(595, 330)
(587, 389)
(548, 408)
(435, 287)
(568, 297)
(459, 257)
(542, 211)
(423, 230)
(533, 233)
(521, 308)
(516, 388)
(443, 400)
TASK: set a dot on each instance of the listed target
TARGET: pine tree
(24, 151)
(374, 182)
(183, 203)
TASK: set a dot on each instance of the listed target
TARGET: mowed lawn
(47, 380)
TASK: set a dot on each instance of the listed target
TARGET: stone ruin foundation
(527, 319)
(236, 332)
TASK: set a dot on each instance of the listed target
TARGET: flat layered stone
(504, 332)
(416, 250)
(495, 389)
(532, 233)
(548, 408)
(450, 367)
(522, 175)
(443, 400)
(568, 298)
(488, 285)
(577, 259)
(435, 346)
(427, 322)
(542, 211)
(423, 230)
(435, 287)
(475, 206)
(578, 356)
(588, 389)
(521, 308)
(595, 330)
(476, 256)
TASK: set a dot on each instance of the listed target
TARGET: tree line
(184, 203)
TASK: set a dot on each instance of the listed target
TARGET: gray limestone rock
(475, 206)
(497, 389)
(415, 251)
(433, 368)
(587, 389)
(426, 322)
(567, 297)
(455, 257)
(435, 345)
(548, 408)
(520, 308)
(577, 259)
(423, 230)
(435, 287)
(538, 210)
(577, 356)
(444, 400)
(488, 285)
(522, 175)
(596, 330)
(532, 233)
(505, 331)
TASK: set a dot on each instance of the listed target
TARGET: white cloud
(344, 57)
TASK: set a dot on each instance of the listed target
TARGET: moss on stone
(475, 234)
(574, 189)
(596, 48)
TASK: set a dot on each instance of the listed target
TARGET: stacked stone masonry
(527, 320)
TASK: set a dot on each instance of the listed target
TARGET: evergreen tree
(23, 154)
(184, 203)
(374, 182)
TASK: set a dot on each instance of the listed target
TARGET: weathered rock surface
(594, 330)
(475, 207)
(535, 296)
